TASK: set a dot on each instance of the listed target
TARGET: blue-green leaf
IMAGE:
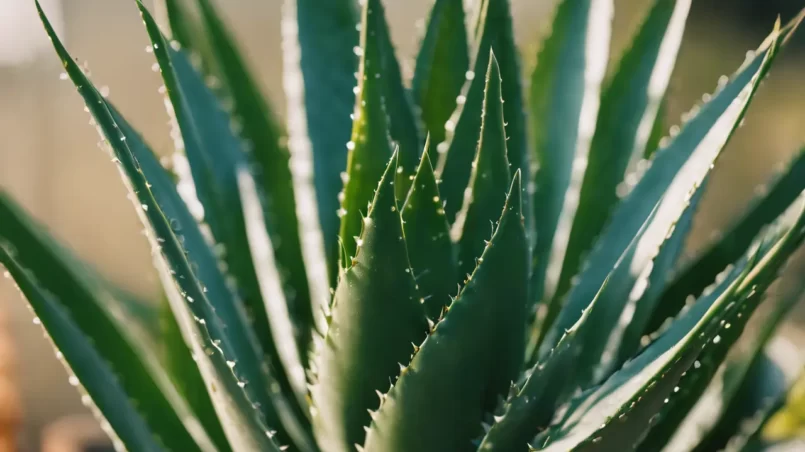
(718, 397)
(670, 175)
(377, 314)
(402, 123)
(318, 42)
(563, 103)
(86, 309)
(695, 275)
(427, 236)
(202, 323)
(273, 173)
(468, 360)
(628, 110)
(441, 65)
(493, 32)
(128, 427)
(619, 412)
(490, 171)
(370, 147)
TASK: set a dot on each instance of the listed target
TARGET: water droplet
(231, 364)
(350, 145)
(37, 321)
(63, 76)
(73, 380)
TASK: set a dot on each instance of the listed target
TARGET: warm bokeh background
(49, 158)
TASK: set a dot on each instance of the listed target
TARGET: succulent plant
(422, 266)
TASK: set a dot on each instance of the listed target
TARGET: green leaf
(629, 106)
(670, 175)
(402, 123)
(713, 399)
(550, 381)
(632, 292)
(178, 361)
(185, 29)
(468, 360)
(86, 319)
(427, 235)
(658, 131)
(763, 383)
(215, 154)
(441, 65)
(777, 194)
(377, 314)
(493, 31)
(127, 427)
(370, 147)
(646, 289)
(142, 316)
(318, 42)
(279, 318)
(263, 137)
(490, 171)
(563, 105)
(623, 408)
(232, 358)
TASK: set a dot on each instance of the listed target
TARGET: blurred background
(50, 160)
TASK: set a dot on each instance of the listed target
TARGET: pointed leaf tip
(376, 302)
(490, 171)
(427, 236)
(479, 342)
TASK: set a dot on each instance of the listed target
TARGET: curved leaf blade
(370, 146)
(467, 361)
(86, 308)
(493, 32)
(441, 65)
(623, 408)
(547, 383)
(628, 110)
(283, 329)
(402, 123)
(674, 169)
(318, 39)
(377, 314)
(721, 385)
(201, 327)
(264, 139)
(780, 192)
(128, 427)
(564, 102)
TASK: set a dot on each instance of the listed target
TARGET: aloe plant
(424, 268)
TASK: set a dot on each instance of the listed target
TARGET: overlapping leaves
(430, 340)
